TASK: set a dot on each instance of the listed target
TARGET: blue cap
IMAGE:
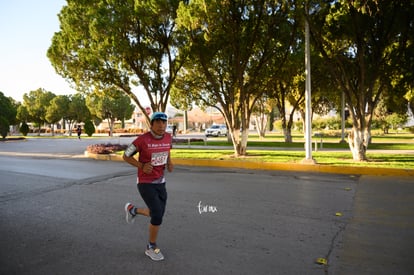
(159, 115)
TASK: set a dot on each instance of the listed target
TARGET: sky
(26, 31)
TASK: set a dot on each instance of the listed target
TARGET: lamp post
(308, 108)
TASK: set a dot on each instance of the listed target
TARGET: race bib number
(158, 159)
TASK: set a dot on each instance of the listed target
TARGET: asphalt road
(63, 214)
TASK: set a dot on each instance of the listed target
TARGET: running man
(153, 148)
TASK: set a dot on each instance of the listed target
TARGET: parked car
(216, 130)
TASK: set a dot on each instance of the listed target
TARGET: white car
(216, 130)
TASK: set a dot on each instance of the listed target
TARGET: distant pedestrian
(79, 131)
(174, 130)
(153, 150)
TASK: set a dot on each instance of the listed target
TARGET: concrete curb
(317, 168)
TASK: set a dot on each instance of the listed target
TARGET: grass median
(385, 160)
(273, 149)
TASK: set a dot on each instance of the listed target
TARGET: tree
(24, 128)
(394, 121)
(288, 98)
(261, 114)
(4, 127)
(77, 111)
(7, 114)
(57, 109)
(89, 128)
(22, 114)
(112, 105)
(36, 104)
(285, 85)
(326, 95)
(22, 117)
(363, 42)
(123, 44)
(231, 45)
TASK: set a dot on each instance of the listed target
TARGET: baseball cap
(159, 115)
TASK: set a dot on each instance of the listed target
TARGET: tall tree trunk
(287, 132)
(287, 129)
(261, 123)
(239, 140)
(358, 143)
(111, 122)
(243, 142)
(71, 124)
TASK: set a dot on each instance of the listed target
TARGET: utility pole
(308, 109)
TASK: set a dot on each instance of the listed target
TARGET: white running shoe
(154, 253)
(129, 217)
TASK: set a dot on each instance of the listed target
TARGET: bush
(4, 127)
(329, 123)
(24, 129)
(89, 128)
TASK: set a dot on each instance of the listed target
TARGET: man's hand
(170, 167)
(147, 168)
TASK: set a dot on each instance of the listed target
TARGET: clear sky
(26, 31)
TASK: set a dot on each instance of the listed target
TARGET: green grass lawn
(387, 142)
(281, 152)
(325, 144)
(388, 160)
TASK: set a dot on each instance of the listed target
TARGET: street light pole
(308, 110)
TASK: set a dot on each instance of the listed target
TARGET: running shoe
(129, 217)
(154, 253)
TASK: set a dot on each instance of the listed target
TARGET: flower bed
(107, 148)
(110, 148)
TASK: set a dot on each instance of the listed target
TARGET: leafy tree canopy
(232, 43)
(8, 112)
(122, 44)
(8, 109)
(36, 104)
(110, 104)
(366, 45)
